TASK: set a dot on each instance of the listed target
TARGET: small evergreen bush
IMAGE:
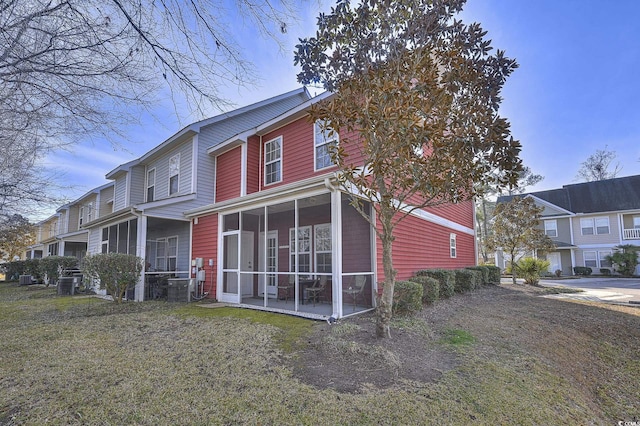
(446, 278)
(483, 271)
(407, 297)
(531, 269)
(582, 270)
(466, 280)
(430, 288)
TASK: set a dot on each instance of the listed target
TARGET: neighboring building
(587, 220)
(246, 204)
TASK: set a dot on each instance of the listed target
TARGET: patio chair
(356, 289)
(314, 291)
(286, 286)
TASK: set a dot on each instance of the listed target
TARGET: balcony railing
(631, 234)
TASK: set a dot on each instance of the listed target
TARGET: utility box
(66, 286)
(25, 279)
(178, 290)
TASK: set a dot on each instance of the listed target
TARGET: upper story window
(324, 138)
(551, 228)
(174, 172)
(151, 185)
(594, 226)
(90, 211)
(452, 246)
(273, 161)
(81, 216)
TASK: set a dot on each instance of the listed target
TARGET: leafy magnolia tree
(415, 96)
(81, 68)
(599, 166)
(625, 259)
(516, 230)
(16, 234)
(115, 272)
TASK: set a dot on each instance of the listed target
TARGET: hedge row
(49, 267)
(430, 285)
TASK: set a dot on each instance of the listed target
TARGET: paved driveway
(605, 289)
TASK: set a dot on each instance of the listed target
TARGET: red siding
(253, 164)
(461, 213)
(205, 245)
(228, 175)
(420, 245)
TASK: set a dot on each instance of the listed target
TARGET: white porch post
(336, 249)
(141, 251)
(61, 248)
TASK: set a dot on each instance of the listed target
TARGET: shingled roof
(592, 197)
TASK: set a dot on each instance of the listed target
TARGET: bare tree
(75, 69)
(599, 166)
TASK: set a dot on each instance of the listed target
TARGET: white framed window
(551, 228)
(166, 254)
(273, 161)
(636, 222)
(322, 246)
(151, 185)
(324, 138)
(602, 257)
(590, 259)
(120, 238)
(90, 211)
(594, 226)
(602, 225)
(452, 246)
(174, 174)
(303, 246)
(81, 216)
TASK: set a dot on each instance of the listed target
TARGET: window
(89, 211)
(604, 262)
(81, 216)
(594, 226)
(452, 245)
(551, 228)
(324, 138)
(590, 259)
(636, 222)
(120, 238)
(151, 185)
(322, 245)
(273, 161)
(602, 225)
(304, 249)
(174, 172)
(166, 254)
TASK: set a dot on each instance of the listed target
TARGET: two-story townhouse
(281, 235)
(62, 234)
(151, 193)
(588, 220)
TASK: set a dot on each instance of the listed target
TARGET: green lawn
(75, 360)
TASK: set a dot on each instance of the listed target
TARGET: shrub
(446, 278)
(625, 259)
(430, 288)
(483, 271)
(605, 271)
(13, 270)
(407, 297)
(115, 272)
(582, 270)
(558, 273)
(531, 269)
(494, 274)
(52, 267)
(466, 280)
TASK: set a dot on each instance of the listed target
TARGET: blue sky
(576, 90)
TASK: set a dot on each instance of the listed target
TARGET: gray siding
(94, 241)
(105, 206)
(164, 228)
(137, 185)
(161, 164)
(174, 210)
(119, 200)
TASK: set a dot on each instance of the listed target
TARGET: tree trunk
(513, 267)
(385, 305)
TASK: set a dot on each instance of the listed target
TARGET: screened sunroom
(312, 255)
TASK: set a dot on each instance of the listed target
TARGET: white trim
(326, 142)
(548, 204)
(169, 194)
(555, 227)
(438, 220)
(166, 201)
(280, 159)
(243, 168)
(215, 177)
(194, 164)
(147, 186)
(596, 246)
(127, 188)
